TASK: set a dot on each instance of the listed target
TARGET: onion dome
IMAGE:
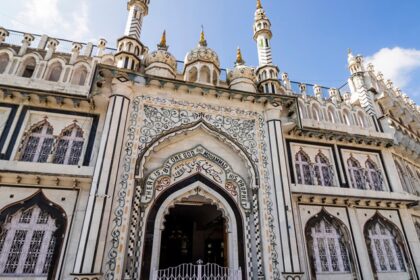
(202, 53)
(161, 62)
(242, 77)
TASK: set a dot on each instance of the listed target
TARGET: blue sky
(310, 42)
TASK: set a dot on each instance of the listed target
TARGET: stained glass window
(38, 143)
(69, 145)
(330, 253)
(303, 169)
(27, 243)
(373, 176)
(357, 179)
(323, 171)
(386, 252)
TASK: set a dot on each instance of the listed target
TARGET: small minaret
(130, 48)
(267, 73)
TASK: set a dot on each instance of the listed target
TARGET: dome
(161, 56)
(161, 62)
(202, 53)
(242, 77)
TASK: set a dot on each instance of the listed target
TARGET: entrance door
(193, 232)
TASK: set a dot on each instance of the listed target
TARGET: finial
(203, 41)
(162, 45)
(239, 59)
(259, 5)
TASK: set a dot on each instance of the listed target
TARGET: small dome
(161, 56)
(202, 53)
(160, 59)
(242, 77)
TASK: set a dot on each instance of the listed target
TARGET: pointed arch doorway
(193, 221)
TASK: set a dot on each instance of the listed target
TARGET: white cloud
(398, 64)
(62, 18)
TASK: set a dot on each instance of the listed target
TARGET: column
(105, 178)
(287, 249)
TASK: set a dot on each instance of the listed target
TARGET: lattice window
(323, 170)
(386, 252)
(374, 176)
(357, 179)
(69, 145)
(38, 143)
(329, 252)
(303, 168)
(27, 243)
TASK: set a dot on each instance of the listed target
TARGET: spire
(203, 41)
(137, 10)
(239, 59)
(162, 45)
(259, 5)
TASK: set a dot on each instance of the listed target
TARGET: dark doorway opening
(193, 231)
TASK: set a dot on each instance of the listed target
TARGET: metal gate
(199, 271)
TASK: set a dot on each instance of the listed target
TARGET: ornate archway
(184, 189)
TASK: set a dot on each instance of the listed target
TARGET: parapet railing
(65, 46)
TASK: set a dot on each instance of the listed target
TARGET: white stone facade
(100, 147)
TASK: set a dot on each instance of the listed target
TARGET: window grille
(323, 171)
(69, 146)
(303, 169)
(330, 253)
(373, 176)
(386, 252)
(357, 179)
(27, 243)
(38, 144)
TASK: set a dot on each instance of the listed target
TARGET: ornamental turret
(267, 73)
(160, 62)
(202, 64)
(242, 77)
(130, 48)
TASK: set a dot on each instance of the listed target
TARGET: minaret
(137, 9)
(130, 48)
(267, 73)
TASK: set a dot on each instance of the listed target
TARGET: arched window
(137, 51)
(55, 72)
(357, 179)
(69, 145)
(4, 61)
(31, 234)
(331, 115)
(38, 143)
(417, 225)
(361, 119)
(373, 176)
(346, 117)
(303, 169)
(385, 246)
(412, 179)
(302, 110)
(316, 114)
(79, 76)
(215, 78)
(192, 75)
(323, 170)
(327, 248)
(28, 68)
(205, 74)
(403, 177)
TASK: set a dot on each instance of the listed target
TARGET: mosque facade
(129, 164)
